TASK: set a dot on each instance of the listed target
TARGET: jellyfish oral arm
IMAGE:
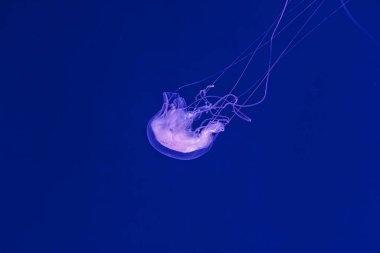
(177, 135)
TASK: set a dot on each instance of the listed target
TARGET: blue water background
(80, 80)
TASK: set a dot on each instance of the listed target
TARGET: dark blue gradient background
(80, 79)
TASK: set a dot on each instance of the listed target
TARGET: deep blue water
(80, 80)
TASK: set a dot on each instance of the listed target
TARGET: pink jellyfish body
(187, 131)
(171, 131)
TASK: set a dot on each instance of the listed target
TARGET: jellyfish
(187, 131)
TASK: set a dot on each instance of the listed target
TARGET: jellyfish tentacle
(246, 52)
(358, 25)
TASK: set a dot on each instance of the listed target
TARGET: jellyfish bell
(171, 131)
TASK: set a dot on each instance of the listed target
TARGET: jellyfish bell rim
(173, 153)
